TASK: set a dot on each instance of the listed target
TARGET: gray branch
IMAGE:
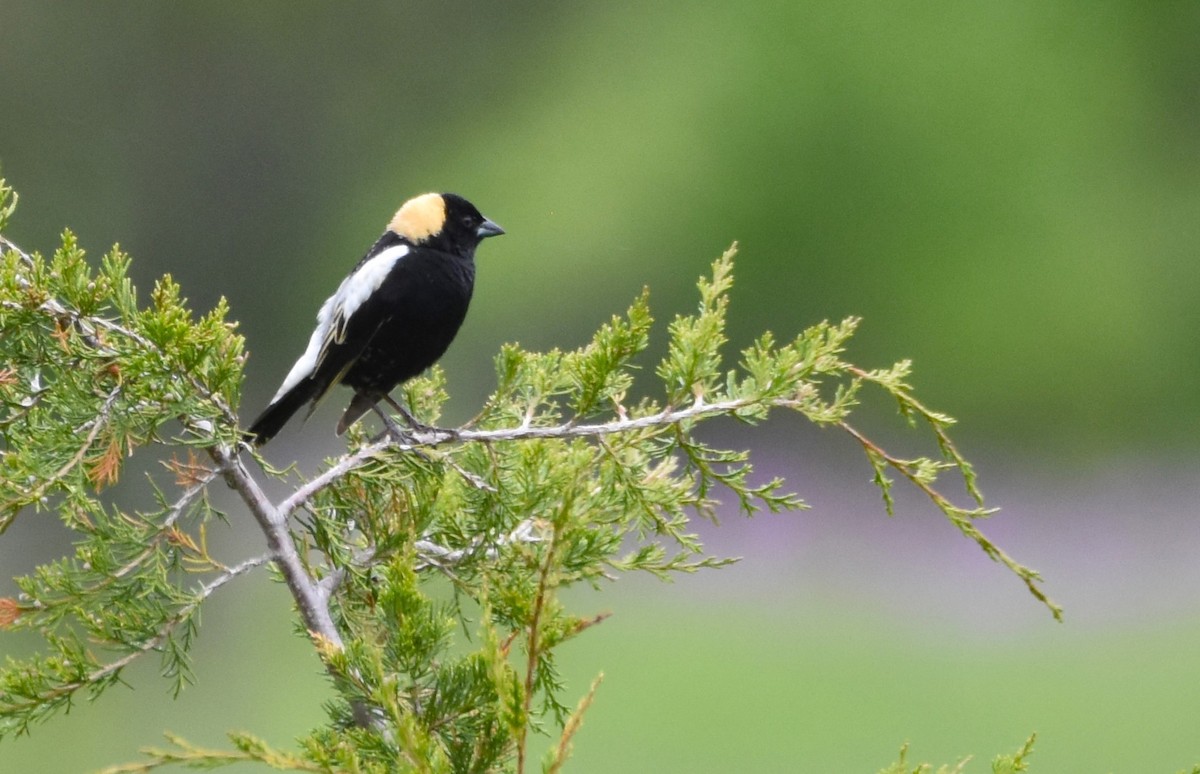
(438, 436)
(310, 599)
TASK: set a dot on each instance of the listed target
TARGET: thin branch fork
(310, 599)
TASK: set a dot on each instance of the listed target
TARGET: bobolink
(393, 316)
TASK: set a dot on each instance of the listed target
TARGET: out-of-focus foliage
(1017, 181)
(1003, 764)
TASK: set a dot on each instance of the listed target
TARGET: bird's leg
(397, 434)
(393, 430)
(420, 427)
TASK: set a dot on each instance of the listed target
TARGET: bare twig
(331, 474)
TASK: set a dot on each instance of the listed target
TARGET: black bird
(393, 316)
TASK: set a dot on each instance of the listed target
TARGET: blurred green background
(1008, 193)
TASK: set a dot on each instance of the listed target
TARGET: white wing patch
(335, 313)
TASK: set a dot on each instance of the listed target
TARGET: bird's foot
(392, 430)
(413, 423)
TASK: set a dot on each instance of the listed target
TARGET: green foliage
(247, 749)
(427, 570)
(86, 379)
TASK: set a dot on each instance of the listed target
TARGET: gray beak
(488, 229)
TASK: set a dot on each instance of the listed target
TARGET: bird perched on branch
(392, 317)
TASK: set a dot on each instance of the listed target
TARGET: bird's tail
(276, 415)
(359, 405)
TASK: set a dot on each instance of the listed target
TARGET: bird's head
(444, 221)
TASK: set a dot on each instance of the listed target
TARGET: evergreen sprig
(427, 571)
(1001, 764)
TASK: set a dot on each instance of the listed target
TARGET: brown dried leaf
(107, 469)
(10, 610)
(190, 473)
(181, 539)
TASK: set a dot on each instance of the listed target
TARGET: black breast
(411, 319)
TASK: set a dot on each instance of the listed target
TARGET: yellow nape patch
(420, 218)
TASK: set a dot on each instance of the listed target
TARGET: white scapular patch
(336, 311)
